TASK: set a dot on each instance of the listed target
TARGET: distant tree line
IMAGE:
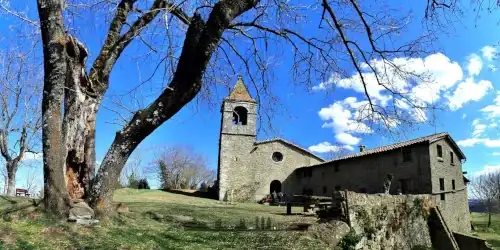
(486, 188)
(137, 183)
(180, 167)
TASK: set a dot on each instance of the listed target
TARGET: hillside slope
(159, 220)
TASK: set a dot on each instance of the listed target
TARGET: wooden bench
(22, 191)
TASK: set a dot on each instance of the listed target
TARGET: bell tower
(237, 135)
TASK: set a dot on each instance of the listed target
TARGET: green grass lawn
(491, 234)
(188, 223)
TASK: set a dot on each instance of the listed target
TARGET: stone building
(250, 169)
(426, 165)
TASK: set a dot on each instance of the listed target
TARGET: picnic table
(308, 202)
(22, 191)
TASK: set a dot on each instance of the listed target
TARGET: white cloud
(474, 65)
(496, 153)
(467, 91)
(463, 116)
(326, 84)
(339, 117)
(478, 128)
(346, 138)
(347, 117)
(32, 156)
(487, 170)
(325, 147)
(438, 73)
(489, 52)
(493, 110)
(491, 143)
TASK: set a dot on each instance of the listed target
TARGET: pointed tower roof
(240, 92)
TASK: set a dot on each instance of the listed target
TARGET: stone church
(249, 169)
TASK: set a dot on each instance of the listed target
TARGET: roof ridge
(389, 147)
(290, 143)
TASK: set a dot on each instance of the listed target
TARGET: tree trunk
(80, 111)
(489, 216)
(11, 182)
(56, 200)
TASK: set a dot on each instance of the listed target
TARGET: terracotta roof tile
(428, 139)
(240, 92)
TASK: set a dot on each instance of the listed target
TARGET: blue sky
(465, 83)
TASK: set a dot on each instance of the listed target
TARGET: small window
(442, 196)
(453, 184)
(452, 161)
(338, 187)
(406, 154)
(324, 190)
(440, 151)
(240, 115)
(277, 156)
(441, 184)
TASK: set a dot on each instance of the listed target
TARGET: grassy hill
(491, 234)
(157, 220)
(163, 220)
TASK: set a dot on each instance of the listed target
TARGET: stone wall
(367, 174)
(389, 221)
(454, 207)
(471, 243)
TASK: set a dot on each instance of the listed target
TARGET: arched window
(240, 116)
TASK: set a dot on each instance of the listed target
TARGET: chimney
(362, 148)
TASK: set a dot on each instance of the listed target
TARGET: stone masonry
(249, 169)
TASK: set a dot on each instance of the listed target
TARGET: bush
(143, 184)
(350, 240)
(137, 183)
(203, 187)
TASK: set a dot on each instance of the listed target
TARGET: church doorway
(275, 186)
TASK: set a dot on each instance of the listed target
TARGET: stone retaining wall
(389, 221)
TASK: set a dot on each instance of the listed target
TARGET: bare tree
(133, 166)
(179, 167)
(199, 44)
(486, 188)
(20, 113)
(31, 180)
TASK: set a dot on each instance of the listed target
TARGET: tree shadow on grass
(198, 194)
(9, 200)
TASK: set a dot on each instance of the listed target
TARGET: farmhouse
(249, 169)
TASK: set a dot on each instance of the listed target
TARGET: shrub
(350, 240)
(242, 225)
(143, 184)
(203, 187)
